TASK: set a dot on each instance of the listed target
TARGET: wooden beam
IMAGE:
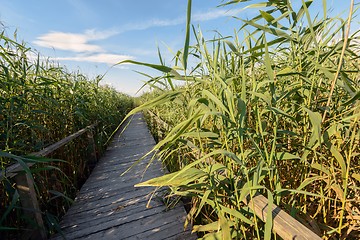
(46, 151)
(91, 149)
(13, 169)
(25, 184)
(287, 227)
(30, 205)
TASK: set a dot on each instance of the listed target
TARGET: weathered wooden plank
(110, 207)
(123, 208)
(113, 186)
(106, 204)
(166, 231)
(115, 225)
(133, 175)
(114, 218)
(283, 224)
(179, 236)
(151, 224)
(84, 201)
(116, 165)
(140, 226)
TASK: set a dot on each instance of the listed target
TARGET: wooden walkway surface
(108, 205)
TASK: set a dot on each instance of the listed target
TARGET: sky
(93, 35)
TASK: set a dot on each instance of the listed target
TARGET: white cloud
(74, 42)
(87, 51)
(214, 14)
(199, 17)
(152, 23)
(80, 44)
(92, 34)
(107, 58)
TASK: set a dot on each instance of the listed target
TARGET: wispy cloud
(81, 44)
(107, 58)
(214, 14)
(75, 42)
(152, 23)
(86, 49)
(198, 17)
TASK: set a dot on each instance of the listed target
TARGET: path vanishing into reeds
(108, 205)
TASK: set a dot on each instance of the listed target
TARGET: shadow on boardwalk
(108, 205)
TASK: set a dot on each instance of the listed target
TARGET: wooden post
(25, 185)
(29, 202)
(91, 149)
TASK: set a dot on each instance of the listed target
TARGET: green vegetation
(273, 109)
(40, 104)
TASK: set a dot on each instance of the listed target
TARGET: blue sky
(92, 35)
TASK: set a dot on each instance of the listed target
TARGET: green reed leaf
(286, 156)
(267, 16)
(160, 68)
(174, 179)
(339, 158)
(187, 34)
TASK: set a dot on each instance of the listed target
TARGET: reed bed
(273, 109)
(40, 104)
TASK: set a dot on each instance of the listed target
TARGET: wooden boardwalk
(108, 205)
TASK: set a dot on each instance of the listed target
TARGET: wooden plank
(110, 207)
(109, 219)
(100, 204)
(283, 224)
(139, 226)
(122, 208)
(166, 231)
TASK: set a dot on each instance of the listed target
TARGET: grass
(41, 103)
(276, 111)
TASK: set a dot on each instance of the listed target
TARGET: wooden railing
(25, 185)
(287, 227)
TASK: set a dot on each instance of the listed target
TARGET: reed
(40, 104)
(274, 111)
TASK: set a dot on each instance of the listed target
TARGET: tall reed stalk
(40, 103)
(249, 119)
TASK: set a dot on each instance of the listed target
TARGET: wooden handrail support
(287, 227)
(12, 170)
(25, 184)
(159, 120)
